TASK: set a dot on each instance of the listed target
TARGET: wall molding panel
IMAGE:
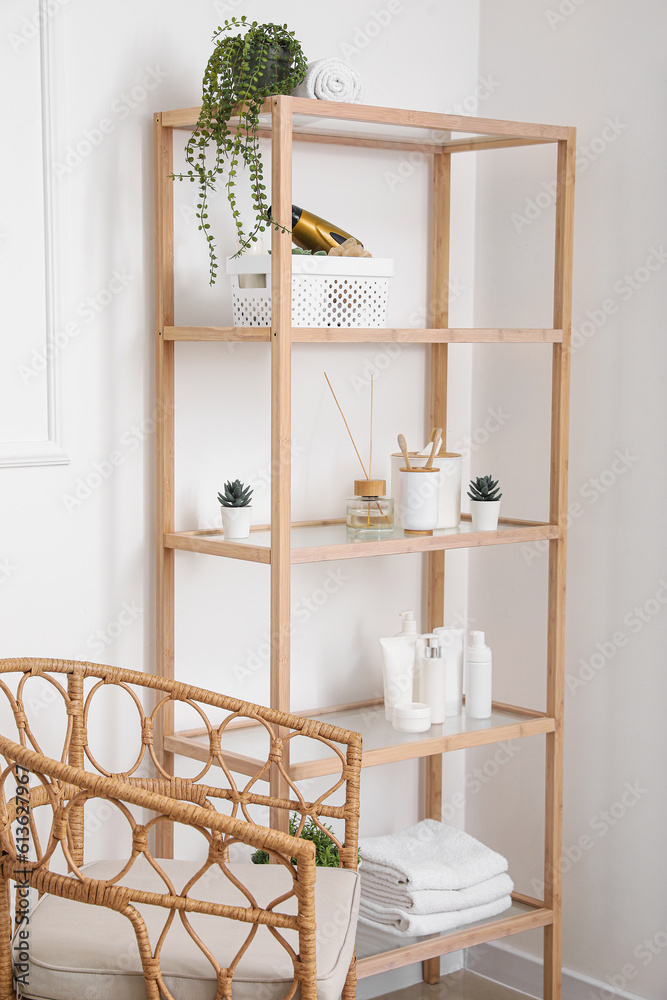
(49, 450)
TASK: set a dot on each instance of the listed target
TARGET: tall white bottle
(433, 681)
(399, 662)
(409, 634)
(452, 642)
(478, 678)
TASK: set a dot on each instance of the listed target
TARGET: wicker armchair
(138, 927)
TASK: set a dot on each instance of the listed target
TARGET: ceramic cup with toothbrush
(419, 492)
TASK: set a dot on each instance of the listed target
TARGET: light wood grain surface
(164, 446)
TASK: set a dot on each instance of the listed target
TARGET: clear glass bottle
(370, 514)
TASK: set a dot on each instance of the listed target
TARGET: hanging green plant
(241, 73)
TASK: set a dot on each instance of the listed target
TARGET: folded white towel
(406, 924)
(422, 901)
(430, 855)
(331, 80)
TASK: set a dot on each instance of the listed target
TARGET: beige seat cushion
(79, 951)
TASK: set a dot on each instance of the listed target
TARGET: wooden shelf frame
(355, 335)
(291, 120)
(486, 133)
(429, 950)
(212, 542)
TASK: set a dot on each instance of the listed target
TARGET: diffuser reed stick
(347, 425)
(370, 460)
(370, 457)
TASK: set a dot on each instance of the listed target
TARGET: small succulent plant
(235, 494)
(484, 488)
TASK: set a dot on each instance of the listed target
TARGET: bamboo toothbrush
(436, 438)
(402, 444)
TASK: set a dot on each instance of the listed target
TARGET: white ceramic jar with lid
(411, 717)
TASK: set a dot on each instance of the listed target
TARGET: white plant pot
(484, 514)
(236, 522)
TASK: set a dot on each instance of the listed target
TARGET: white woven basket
(326, 291)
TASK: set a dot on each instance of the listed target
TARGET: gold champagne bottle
(310, 232)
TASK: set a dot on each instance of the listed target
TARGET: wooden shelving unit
(289, 120)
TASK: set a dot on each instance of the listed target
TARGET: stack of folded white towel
(429, 879)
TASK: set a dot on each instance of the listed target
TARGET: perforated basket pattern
(317, 301)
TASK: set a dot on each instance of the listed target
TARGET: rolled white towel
(331, 80)
(422, 901)
(407, 925)
(430, 855)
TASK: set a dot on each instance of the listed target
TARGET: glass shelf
(246, 747)
(389, 128)
(322, 541)
(378, 951)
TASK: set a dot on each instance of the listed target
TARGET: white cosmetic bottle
(408, 625)
(478, 678)
(433, 680)
(451, 640)
(408, 634)
(399, 654)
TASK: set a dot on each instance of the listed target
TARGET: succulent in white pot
(485, 503)
(235, 509)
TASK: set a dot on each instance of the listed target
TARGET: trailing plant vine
(242, 71)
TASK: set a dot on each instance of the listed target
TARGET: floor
(461, 985)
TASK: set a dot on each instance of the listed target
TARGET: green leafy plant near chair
(326, 852)
(242, 71)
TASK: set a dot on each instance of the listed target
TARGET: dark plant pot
(271, 76)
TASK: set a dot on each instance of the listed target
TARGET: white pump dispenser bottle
(408, 624)
(399, 653)
(478, 678)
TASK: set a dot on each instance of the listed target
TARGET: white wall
(77, 539)
(598, 66)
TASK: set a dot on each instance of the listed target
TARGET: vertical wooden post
(164, 443)
(435, 571)
(557, 565)
(76, 758)
(281, 421)
(7, 991)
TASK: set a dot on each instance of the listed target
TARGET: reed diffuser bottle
(370, 514)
